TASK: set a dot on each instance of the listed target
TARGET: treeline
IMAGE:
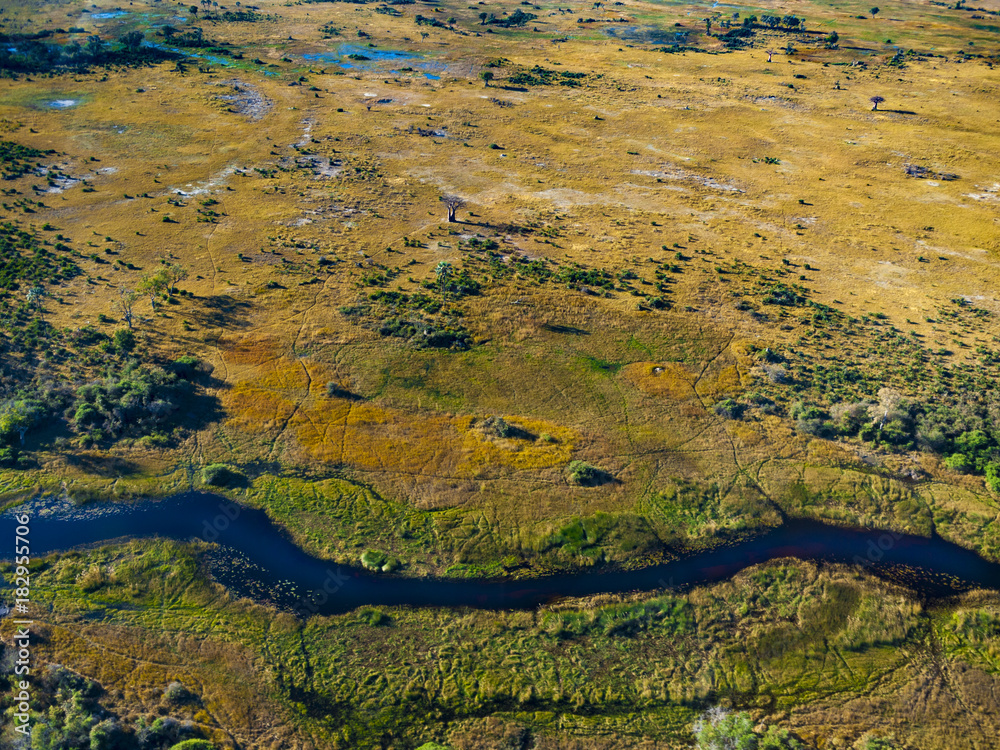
(99, 388)
(966, 433)
(26, 53)
(66, 714)
(133, 400)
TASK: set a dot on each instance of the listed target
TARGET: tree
(131, 40)
(34, 297)
(18, 417)
(482, 18)
(721, 730)
(452, 203)
(888, 400)
(486, 76)
(125, 303)
(174, 273)
(770, 54)
(443, 273)
(708, 25)
(876, 100)
(874, 11)
(154, 285)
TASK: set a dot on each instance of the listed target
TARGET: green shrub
(124, 340)
(221, 475)
(374, 559)
(175, 692)
(586, 475)
(729, 409)
(959, 462)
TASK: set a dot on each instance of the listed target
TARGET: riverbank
(255, 555)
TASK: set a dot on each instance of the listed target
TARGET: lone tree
(125, 303)
(770, 54)
(153, 285)
(443, 272)
(452, 203)
(34, 297)
(174, 273)
(486, 76)
(876, 100)
(874, 11)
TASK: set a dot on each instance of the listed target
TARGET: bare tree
(770, 53)
(888, 400)
(452, 203)
(125, 303)
(876, 100)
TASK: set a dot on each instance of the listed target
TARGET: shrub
(375, 617)
(374, 559)
(175, 692)
(959, 462)
(584, 474)
(193, 745)
(729, 409)
(124, 340)
(993, 477)
(221, 475)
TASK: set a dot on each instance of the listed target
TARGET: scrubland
(692, 292)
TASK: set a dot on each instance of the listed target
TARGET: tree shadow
(102, 466)
(555, 328)
(221, 311)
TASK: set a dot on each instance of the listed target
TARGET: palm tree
(443, 273)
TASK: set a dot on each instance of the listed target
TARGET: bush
(729, 409)
(175, 692)
(585, 475)
(374, 559)
(993, 477)
(221, 475)
(186, 366)
(124, 340)
(959, 462)
(193, 745)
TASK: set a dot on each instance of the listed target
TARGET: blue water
(221, 61)
(109, 14)
(257, 559)
(341, 56)
(432, 76)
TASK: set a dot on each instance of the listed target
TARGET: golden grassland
(724, 165)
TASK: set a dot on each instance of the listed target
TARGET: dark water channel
(258, 559)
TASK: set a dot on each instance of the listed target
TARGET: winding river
(257, 559)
